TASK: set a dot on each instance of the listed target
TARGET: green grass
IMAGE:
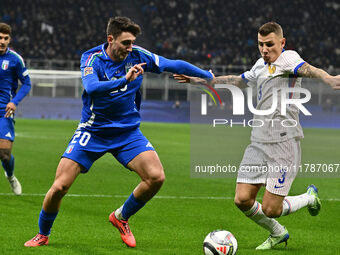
(169, 224)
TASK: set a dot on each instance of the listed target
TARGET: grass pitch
(175, 222)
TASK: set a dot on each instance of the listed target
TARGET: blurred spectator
(211, 32)
(177, 104)
(327, 106)
(217, 32)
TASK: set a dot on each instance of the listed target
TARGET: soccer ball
(220, 242)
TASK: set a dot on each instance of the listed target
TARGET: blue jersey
(109, 101)
(12, 69)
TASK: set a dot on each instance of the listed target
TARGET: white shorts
(272, 164)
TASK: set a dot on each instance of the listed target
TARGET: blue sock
(131, 206)
(46, 221)
(9, 166)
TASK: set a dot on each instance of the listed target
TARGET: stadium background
(217, 35)
(214, 34)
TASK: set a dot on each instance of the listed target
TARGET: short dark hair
(270, 27)
(117, 25)
(5, 29)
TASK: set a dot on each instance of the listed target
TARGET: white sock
(118, 213)
(256, 214)
(294, 203)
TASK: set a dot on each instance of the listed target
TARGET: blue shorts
(85, 147)
(7, 129)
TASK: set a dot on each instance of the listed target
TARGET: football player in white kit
(273, 157)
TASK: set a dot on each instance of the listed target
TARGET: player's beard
(121, 55)
(125, 54)
(2, 49)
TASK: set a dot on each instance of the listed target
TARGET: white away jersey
(265, 78)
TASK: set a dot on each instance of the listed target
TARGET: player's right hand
(333, 81)
(10, 109)
(181, 78)
(134, 72)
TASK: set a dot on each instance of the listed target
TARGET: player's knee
(157, 178)
(5, 155)
(271, 212)
(60, 189)
(244, 203)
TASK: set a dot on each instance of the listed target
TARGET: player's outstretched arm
(182, 67)
(181, 78)
(228, 79)
(309, 71)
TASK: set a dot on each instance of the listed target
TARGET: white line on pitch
(157, 197)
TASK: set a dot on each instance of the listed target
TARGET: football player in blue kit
(12, 69)
(112, 74)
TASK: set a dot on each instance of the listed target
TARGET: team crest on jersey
(271, 69)
(128, 67)
(5, 65)
(88, 70)
(69, 149)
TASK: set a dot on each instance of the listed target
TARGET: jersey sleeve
(151, 59)
(88, 66)
(159, 64)
(90, 72)
(291, 61)
(22, 74)
(249, 77)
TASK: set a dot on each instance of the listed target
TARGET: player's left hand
(333, 81)
(10, 109)
(134, 72)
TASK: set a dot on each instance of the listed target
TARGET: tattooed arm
(229, 79)
(309, 71)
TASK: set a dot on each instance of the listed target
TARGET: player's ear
(110, 39)
(283, 42)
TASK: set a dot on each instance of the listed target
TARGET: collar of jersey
(104, 46)
(281, 52)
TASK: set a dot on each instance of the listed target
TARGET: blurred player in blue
(12, 69)
(112, 74)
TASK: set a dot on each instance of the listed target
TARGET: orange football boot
(38, 240)
(124, 229)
